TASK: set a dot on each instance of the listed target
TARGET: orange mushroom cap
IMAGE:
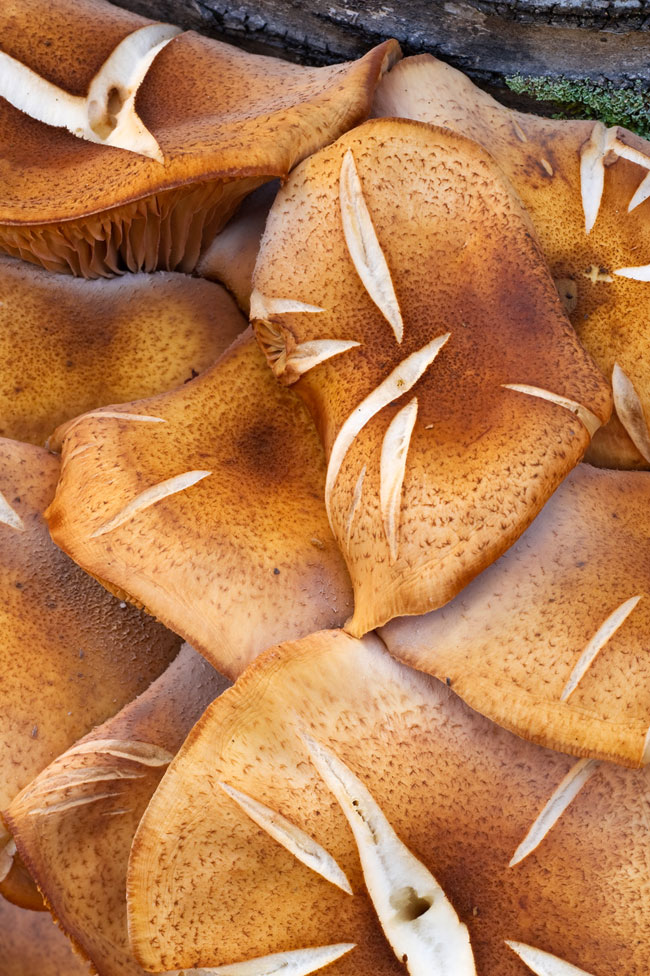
(75, 822)
(71, 654)
(205, 505)
(420, 802)
(96, 209)
(550, 641)
(424, 333)
(67, 346)
(586, 189)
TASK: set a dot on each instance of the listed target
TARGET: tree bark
(602, 40)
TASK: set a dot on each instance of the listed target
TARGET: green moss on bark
(584, 99)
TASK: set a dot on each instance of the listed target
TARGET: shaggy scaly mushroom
(172, 153)
(423, 331)
(75, 822)
(586, 189)
(420, 801)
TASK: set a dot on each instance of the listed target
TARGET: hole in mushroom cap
(409, 905)
(103, 118)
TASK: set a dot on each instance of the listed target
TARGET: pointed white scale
(592, 172)
(543, 963)
(585, 416)
(107, 114)
(298, 962)
(402, 379)
(303, 847)
(9, 516)
(562, 796)
(640, 273)
(392, 467)
(606, 631)
(364, 247)
(629, 410)
(418, 920)
(149, 497)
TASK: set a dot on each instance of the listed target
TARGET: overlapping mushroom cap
(172, 152)
(71, 655)
(272, 832)
(67, 346)
(398, 281)
(76, 821)
(551, 640)
(585, 188)
(205, 505)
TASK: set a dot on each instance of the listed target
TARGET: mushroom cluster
(409, 728)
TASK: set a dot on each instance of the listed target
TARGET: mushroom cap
(77, 838)
(546, 162)
(232, 255)
(448, 410)
(550, 641)
(67, 346)
(93, 209)
(32, 944)
(209, 512)
(71, 654)
(209, 885)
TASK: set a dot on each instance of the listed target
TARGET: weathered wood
(603, 40)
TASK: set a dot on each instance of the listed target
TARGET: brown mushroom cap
(551, 640)
(77, 837)
(208, 511)
(71, 655)
(458, 396)
(602, 273)
(232, 255)
(67, 346)
(73, 205)
(209, 884)
(32, 945)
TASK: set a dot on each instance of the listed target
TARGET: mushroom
(185, 150)
(231, 257)
(205, 506)
(586, 189)
(71, 654)
(423, 331)
(419, 801)
(550, 641)
(67, 346)
(76, 820)
(32, 944)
